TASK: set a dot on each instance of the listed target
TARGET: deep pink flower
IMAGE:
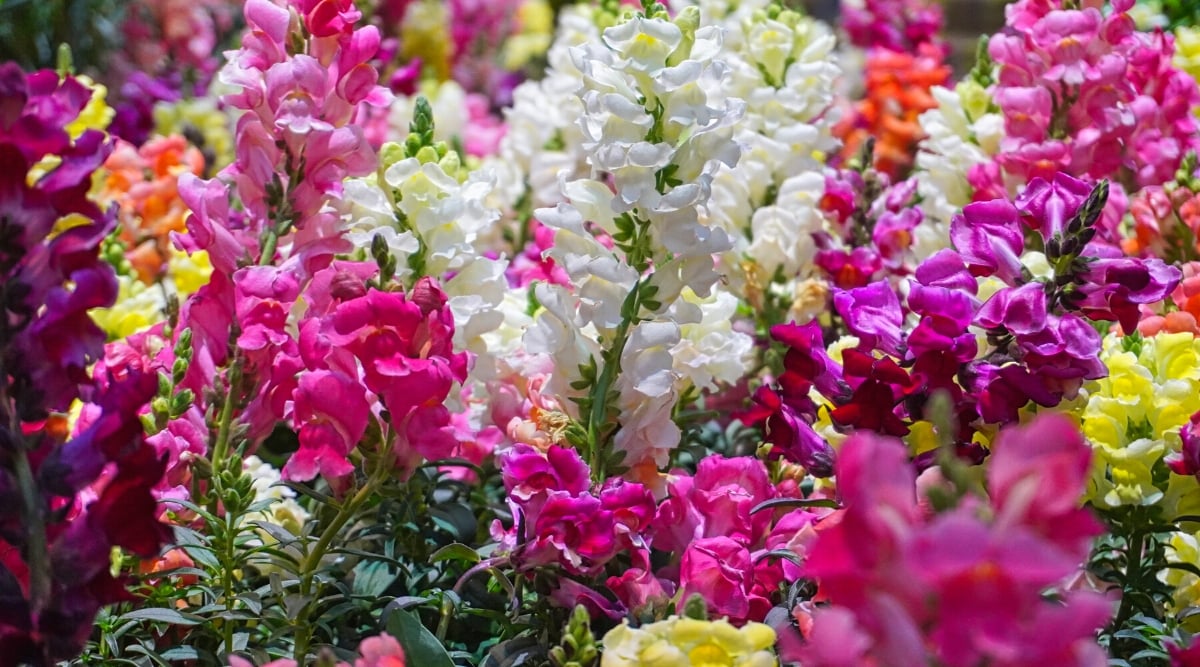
(964, 587)
(719, 569)
(1036, 477)
(790, 431)
(573, 531)
(1048, 205)
(1115, 287)
(725, 490)
(330, 414)
(380, 651)
(407, 355)
(1187, 461)
(528, 472)
(637, 587)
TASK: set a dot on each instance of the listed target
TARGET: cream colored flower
(685, 642)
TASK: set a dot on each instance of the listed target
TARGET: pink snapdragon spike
(962, 587)
(896, 25)
(90, 491)
(1085, 93)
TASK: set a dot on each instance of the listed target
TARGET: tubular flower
(686, 642)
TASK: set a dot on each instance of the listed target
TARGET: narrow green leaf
(455, 551)
(162, 615)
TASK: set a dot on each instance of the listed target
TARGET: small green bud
(696, 608)
(422, 122)
(65, 60)
(160, 406)
(181, 402)
(390, 154)
(427, 154)
(688, 21)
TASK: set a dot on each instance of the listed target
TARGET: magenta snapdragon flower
(964, 587)
(68, 500)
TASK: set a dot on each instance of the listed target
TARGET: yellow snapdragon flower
(1182, 547)
(536, 20)
(188, 272)
(424, 34)
(1133, 416)
(138, 306)
(97, 114)
(686, 642)
(1187, 50)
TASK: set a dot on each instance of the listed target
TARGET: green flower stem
(227, 576)
(598, 415)
(220, 448)
(308, 569)
(1133, 578)
(37, 555)
(36, 552)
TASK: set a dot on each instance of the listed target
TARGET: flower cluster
(412, 317)
(997, 325)
(901, 26)
(629, 254)
(69, 501)
(709, 529)
(897, 86)
(1085, 93)
(964, 586)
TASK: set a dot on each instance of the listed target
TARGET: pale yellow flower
(686, 642)
(138, 307)
(1132, 417)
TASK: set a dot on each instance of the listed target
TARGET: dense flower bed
(602, 334)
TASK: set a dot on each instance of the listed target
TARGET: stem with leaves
(314, 557)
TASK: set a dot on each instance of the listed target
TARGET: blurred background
(31, 30)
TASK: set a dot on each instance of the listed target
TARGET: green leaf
(372, 578)
(455, 551)
(420, 646)
(162, 615)
(795, 502)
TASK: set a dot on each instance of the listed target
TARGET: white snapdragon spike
(961, 133)
(783, 65)
(368, 213)
(631, 238)
(710, 352)
(648, 388)
(779, 232)
(435, 223)
(543, 141)
(559, 333)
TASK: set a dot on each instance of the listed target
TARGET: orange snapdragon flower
(897, 93)
(143, 183)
